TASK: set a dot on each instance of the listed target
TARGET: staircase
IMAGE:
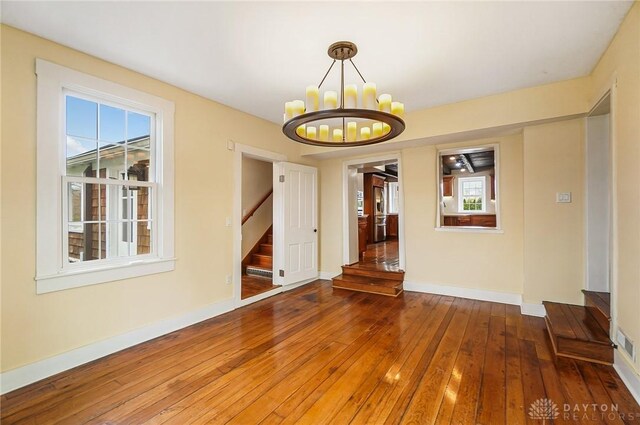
(259, 261)
(370, 280)
(581, 332)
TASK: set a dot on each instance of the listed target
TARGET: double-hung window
(105, 181)
(472, 194)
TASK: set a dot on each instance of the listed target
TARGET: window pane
(143, 237)
(81, 156)
(94, 202)
(82, 118)
(138, 164)
(140, 143)
(86, 242)
(143, 203)
(112, 160)
(138, 126)
(120, 236)
(112, 125)
(75, 201)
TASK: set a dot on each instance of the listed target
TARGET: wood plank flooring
(317, 355)
(254, 285)
(381, 256)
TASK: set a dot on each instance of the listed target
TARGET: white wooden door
(295, 223)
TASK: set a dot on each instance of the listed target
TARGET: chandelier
(355, 121)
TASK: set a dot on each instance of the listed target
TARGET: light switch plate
(563, 197)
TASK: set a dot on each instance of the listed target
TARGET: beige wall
(554, 232)
(437, 257)
(620, 66)
(257, 181)
(459, 258)
(35, 327)
(471, 118)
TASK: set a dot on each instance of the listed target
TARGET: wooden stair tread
(354, 270)
(266, 249)
(575, 322)
(366, 280)
(601, 300)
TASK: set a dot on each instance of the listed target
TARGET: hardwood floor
(254, 285)
(381, 256)
(314, 355)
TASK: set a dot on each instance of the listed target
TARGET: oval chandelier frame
(341, 51)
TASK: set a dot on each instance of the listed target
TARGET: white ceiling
(256, 56)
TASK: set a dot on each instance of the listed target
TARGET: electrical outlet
(229, 279)
(563, 197)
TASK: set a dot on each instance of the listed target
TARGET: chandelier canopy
(355, 121)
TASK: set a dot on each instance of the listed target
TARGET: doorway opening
(275, 232)
(376, 222)
(373, 228)
(378, 197)
(257, 227)
(598, 217)
(254, 234)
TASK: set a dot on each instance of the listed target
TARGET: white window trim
(50, 274)
(461, 180)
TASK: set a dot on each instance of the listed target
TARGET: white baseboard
(628, 375)
(537, 310)
(19, 377)
(259, 297)
(327, 275)
(457, 291)
(298, 284)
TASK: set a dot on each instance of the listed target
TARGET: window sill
(76, 279)
(469, 229)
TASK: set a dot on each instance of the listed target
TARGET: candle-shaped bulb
(384, 102)
(385, 128)
(324, 133)
(288, 111)
(397, 108)
(369, 96)
(313, 98)
(298, 107)
(311, 133)
(337, 135)
(330, 100)
(365, 133)
(351, 96)
(377, 129)
(301, 130)
(352, 131)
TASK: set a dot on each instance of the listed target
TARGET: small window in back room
(467, 188)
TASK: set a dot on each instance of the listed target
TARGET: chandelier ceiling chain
(344, 124)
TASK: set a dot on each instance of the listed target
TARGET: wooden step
(575, 333)
(262, 260)
(266, 249)
(599, 305)
(355, 270)
(270, 238)
(368, 284)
